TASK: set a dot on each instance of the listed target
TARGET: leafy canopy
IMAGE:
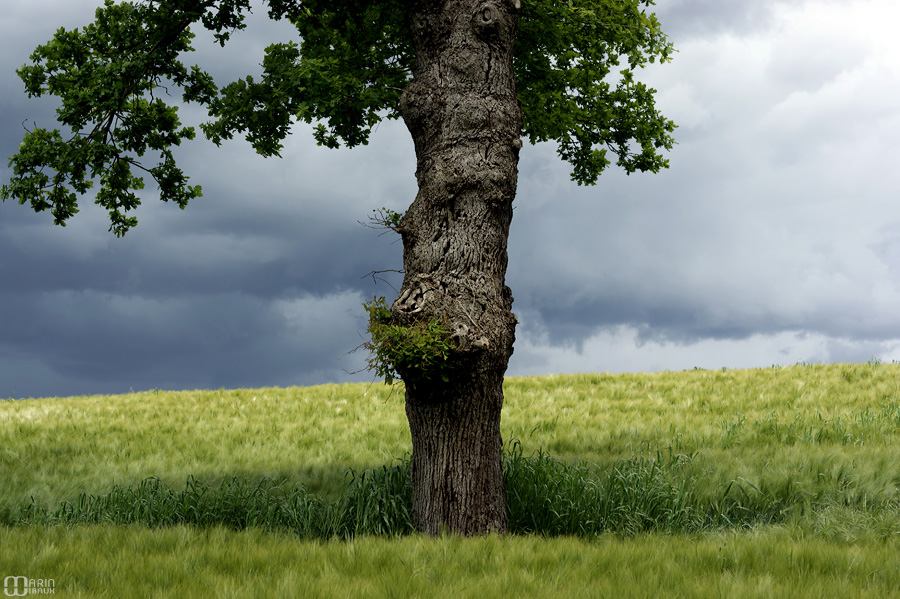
(575, 63)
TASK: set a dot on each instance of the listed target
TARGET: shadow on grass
(544, 496)
(372, 501)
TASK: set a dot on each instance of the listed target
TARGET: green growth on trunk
(413, 353)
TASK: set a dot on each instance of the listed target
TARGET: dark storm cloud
(259, 282)
(111, 343)
(217, 302)
(172, 265)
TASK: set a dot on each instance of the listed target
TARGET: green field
(780, 482)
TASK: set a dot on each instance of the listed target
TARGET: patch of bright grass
(813, 426)
(53, 449)
(806, 429)
(215, 562)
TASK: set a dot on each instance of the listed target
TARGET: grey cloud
(692, 18)
(317, 255)
(120, 342)
(687, 254)
(844, 350)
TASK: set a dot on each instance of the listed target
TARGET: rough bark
(465, 120)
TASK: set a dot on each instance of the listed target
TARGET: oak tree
(469, 78)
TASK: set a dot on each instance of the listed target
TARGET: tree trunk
(465, 120)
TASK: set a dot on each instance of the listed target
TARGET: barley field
(775, 482)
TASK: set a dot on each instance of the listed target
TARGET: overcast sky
(774, 237)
